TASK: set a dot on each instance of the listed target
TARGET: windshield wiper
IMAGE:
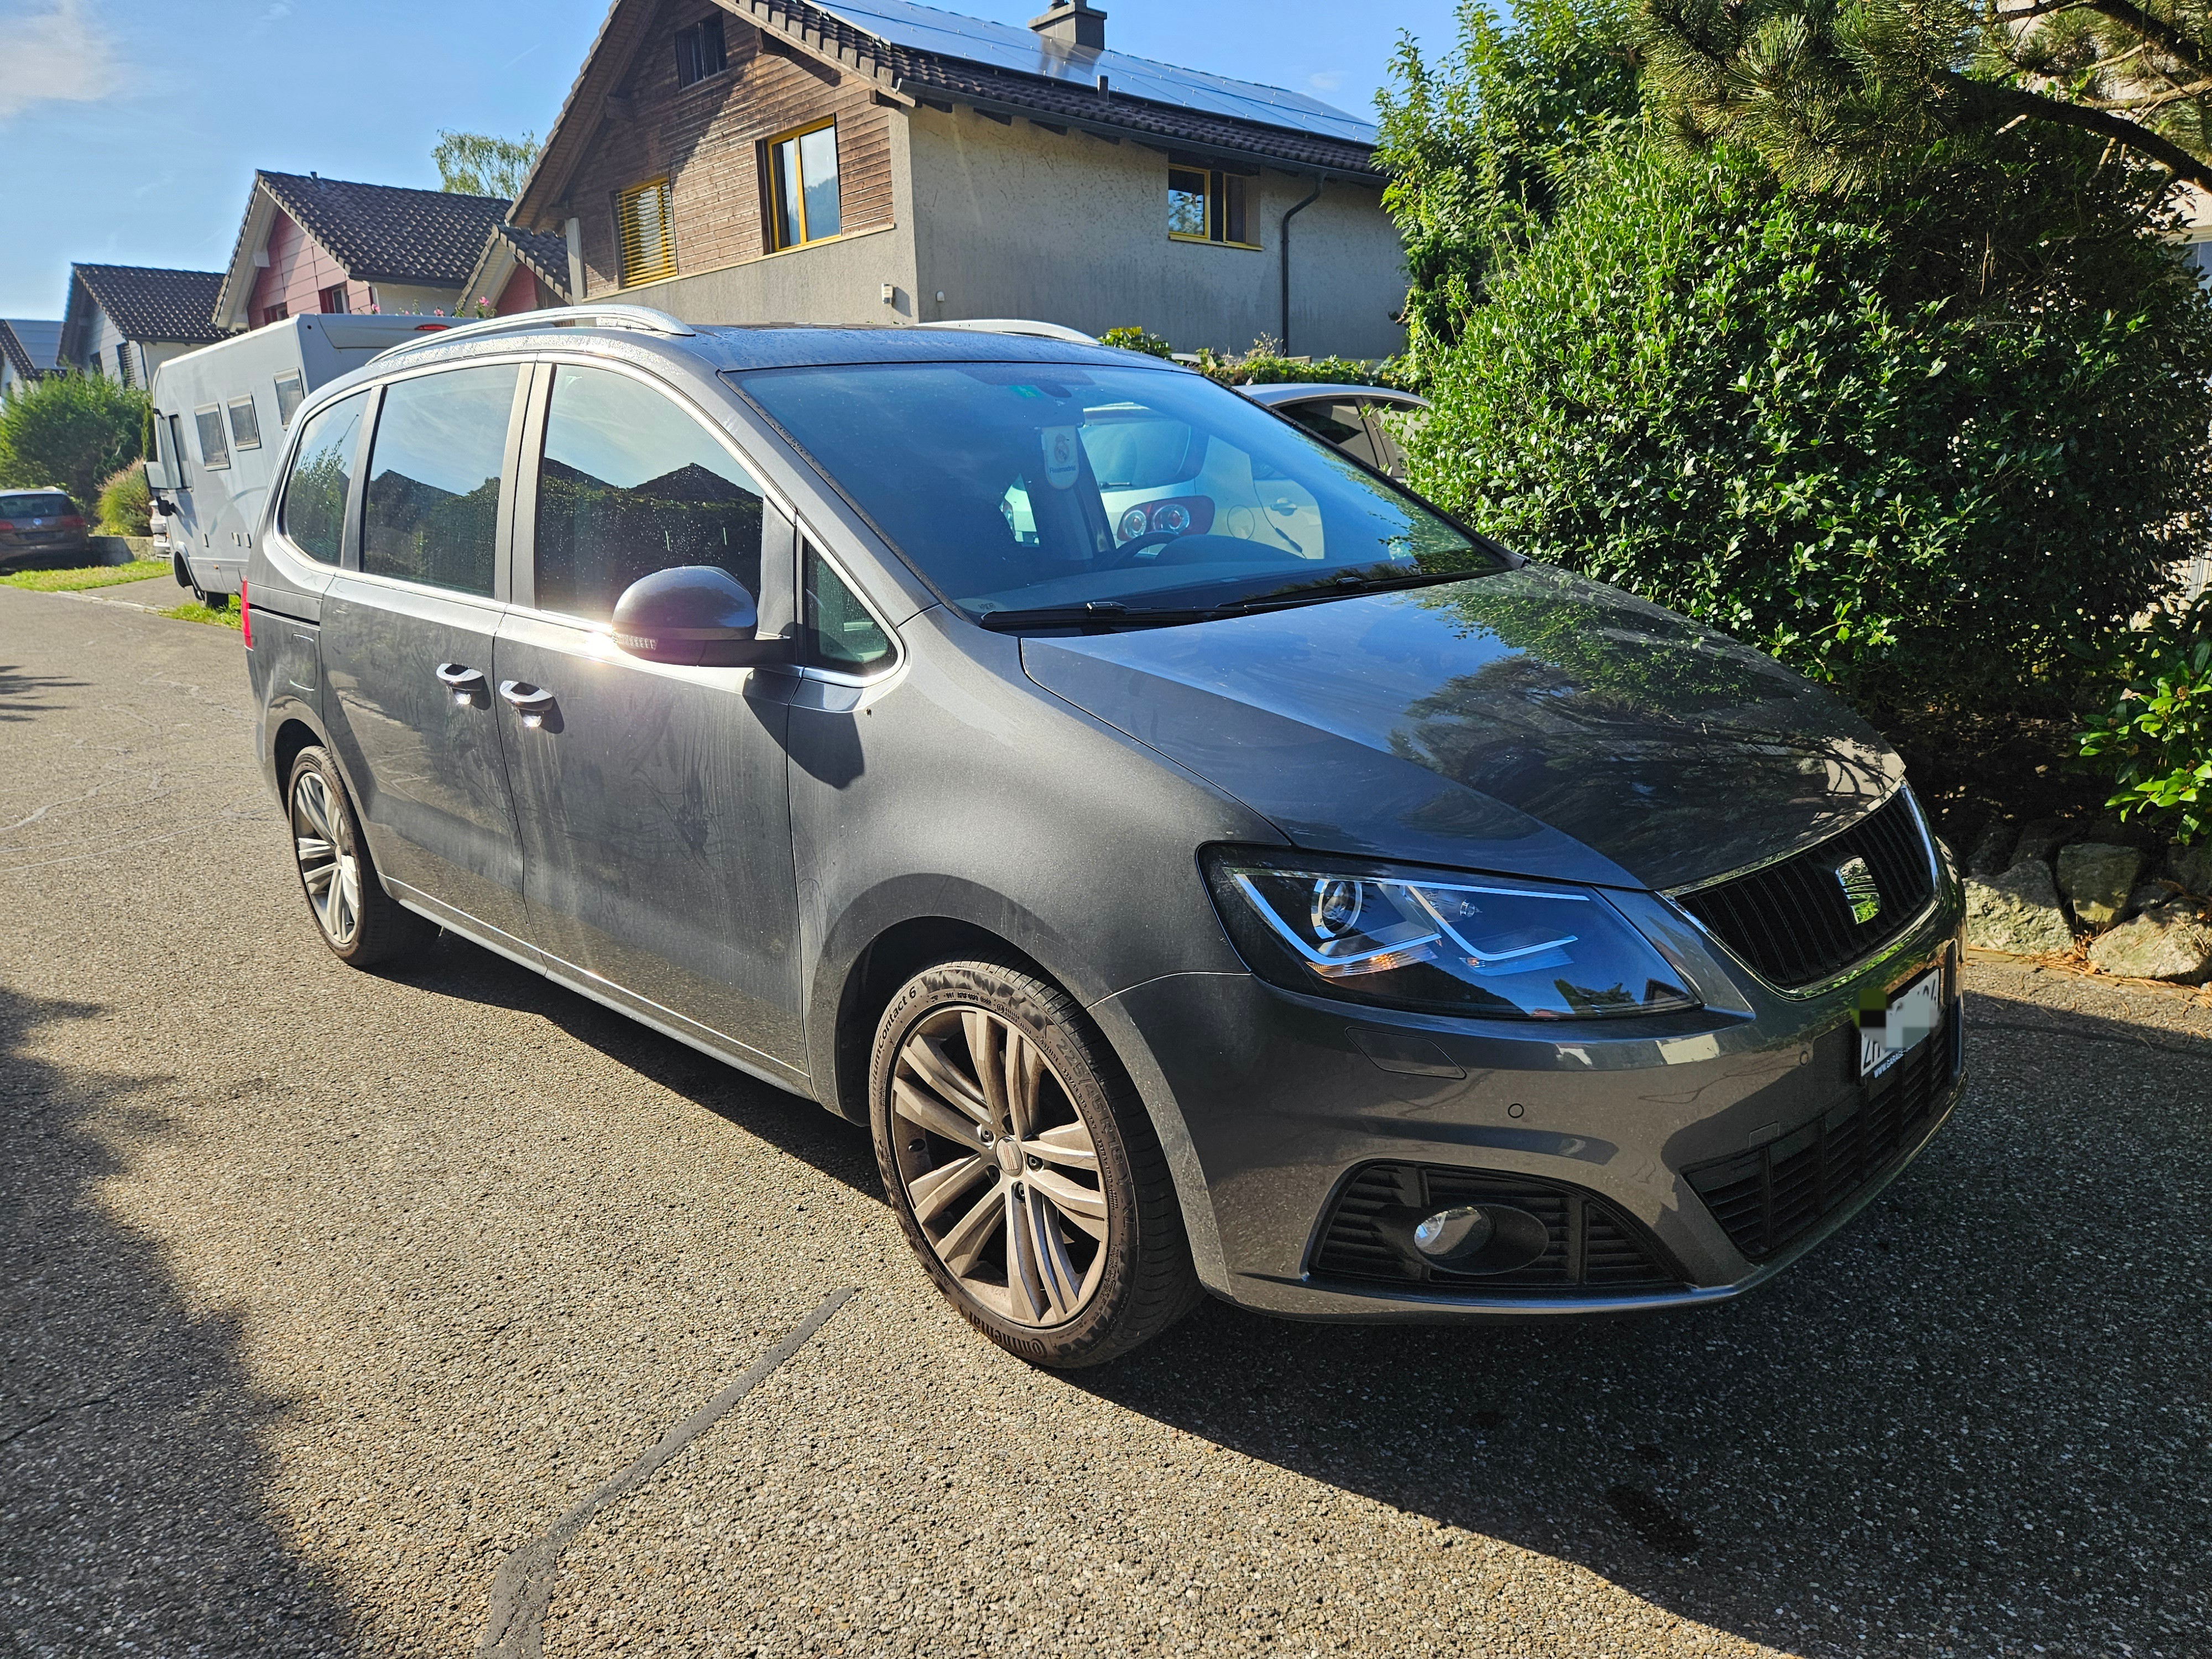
(1097, 613)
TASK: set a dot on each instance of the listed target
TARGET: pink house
(311, 244)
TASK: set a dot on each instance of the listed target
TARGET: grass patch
(193, 610)
(95, 575)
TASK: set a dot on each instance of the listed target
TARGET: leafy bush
(1137, 339)
(74, 430)
(1798, 419)
(2155, 743)
(125, 505)
(1264, 366)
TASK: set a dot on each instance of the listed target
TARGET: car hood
(1529, 723)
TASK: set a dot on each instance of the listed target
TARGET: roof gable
(147, 303)
(33, 346)
(545, 257)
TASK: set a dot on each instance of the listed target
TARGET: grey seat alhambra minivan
(1200, 864)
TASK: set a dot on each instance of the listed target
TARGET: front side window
(181, 476)
(1208, 205)
(647, 237)
(245, 424)
(840, 632)
(803, 179)
(322, 474)
(699, 51)
(630, 484)
(433, 478)
(214, 448)
(1027, 486)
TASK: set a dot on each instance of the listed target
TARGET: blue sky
(129, 129)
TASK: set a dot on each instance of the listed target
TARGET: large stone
(2168, 941)
(2192, 867)
(2018, 912)
(2040, 838)
(2151, 892)
(2097, 878)
(1992, 854)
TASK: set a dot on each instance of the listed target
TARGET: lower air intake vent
(1813, 915)
(1593, 1249)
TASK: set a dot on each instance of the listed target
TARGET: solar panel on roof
(1002, 45)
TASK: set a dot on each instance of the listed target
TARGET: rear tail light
(7, 527)
(72, 522)
(245, 616)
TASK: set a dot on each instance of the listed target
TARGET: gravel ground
(322, 1293)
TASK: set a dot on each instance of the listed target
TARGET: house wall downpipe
(1291, 214)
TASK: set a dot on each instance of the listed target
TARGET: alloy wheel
(998, 1168)
(328, 868)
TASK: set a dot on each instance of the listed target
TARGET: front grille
(1792, 920)
(1768, 1196)
(1593, 1248)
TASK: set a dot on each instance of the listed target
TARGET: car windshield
(1015, 488)
(35, 507)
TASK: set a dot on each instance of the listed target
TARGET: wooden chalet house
(126, 321)
(763, 161)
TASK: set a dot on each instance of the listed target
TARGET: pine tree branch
(2173, 40)
(2011, 101)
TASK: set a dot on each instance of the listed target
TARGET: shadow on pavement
(132, 1466)
(18, 690)
(456, 967)
(1974, 1422)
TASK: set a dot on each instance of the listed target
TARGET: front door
(407, 643)
(655, 821)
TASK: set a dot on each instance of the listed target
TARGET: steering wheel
(1126, 553)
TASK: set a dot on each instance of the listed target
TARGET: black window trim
(503, 530)
(778, 598)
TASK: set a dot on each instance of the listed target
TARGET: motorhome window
(630, 484)
(181, 476)
(433, 478)
(290, 394)
(214, 452)
(322, 473)
(245, 424)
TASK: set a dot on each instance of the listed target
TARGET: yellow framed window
(648, 236)
(802, 170)
(1206, 204)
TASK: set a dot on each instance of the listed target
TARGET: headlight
(1414, 939)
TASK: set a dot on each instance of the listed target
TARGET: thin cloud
(53, 57)
(1326, 80)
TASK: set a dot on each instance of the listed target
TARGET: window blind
(648, 241)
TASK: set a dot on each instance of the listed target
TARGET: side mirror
(694, 614)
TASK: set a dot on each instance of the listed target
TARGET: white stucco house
(126, 321)
(880, 161)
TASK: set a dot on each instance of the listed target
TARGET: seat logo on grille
(1860, 890)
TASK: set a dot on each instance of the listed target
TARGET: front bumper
(1271, 1103)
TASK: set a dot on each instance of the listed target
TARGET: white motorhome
(220, 415)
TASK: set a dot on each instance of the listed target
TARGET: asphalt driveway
(326, 1296)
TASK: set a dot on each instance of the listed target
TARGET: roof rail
(1017, 326)
(643, 319)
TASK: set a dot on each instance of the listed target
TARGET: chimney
(1072, 23)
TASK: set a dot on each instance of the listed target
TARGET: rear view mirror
(694, 614)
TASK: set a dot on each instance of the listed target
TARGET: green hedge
(73, 430)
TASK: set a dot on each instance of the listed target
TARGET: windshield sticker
(1060, 455)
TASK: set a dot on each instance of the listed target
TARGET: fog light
(1455, 1235)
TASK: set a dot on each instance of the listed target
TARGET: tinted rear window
(35, 507)
(434, 478)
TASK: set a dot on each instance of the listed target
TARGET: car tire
(362, 923)
(990, 1087)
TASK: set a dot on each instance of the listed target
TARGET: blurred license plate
(1914, 1015)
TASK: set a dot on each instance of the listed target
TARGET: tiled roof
(388, 233)
(545, 256)
(147, 304)
(33, 346)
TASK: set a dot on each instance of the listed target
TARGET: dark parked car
(41, 524)
(1200, 863)
(1362, 421)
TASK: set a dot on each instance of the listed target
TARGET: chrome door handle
(533, 702)
(462, 681)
